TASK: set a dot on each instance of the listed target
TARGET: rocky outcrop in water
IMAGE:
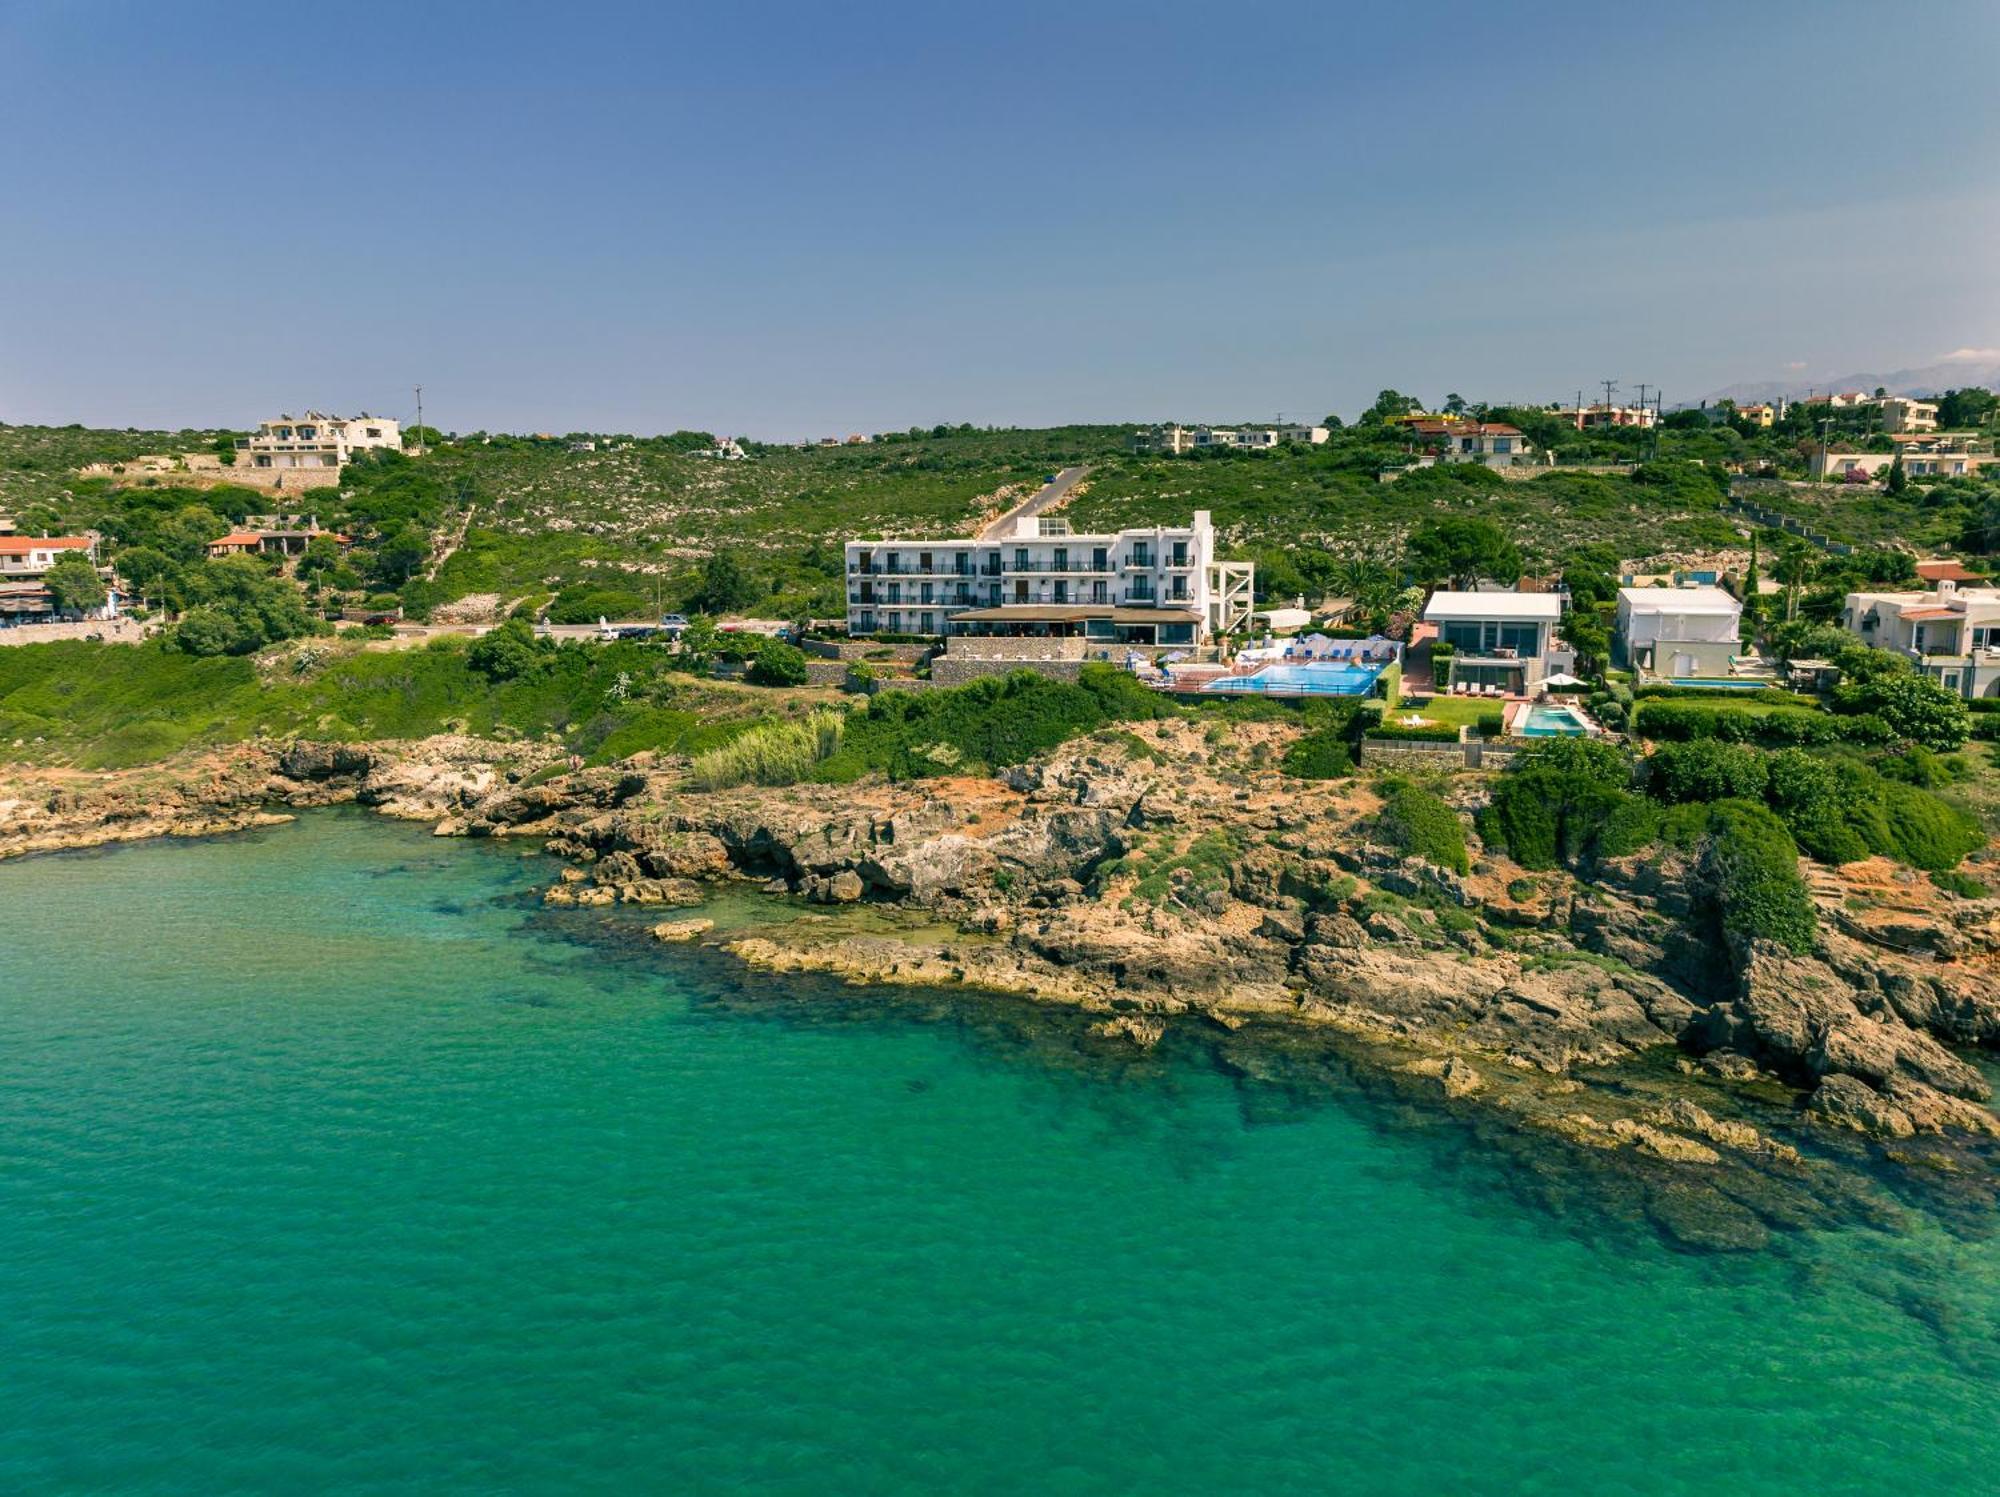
(1194, 885)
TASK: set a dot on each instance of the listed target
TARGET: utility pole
(1825, 426)
(420, 417)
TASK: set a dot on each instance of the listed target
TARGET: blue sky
(791, 219)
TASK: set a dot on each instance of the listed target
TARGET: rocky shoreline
(1161, 883)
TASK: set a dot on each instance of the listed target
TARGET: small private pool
(1543, 721)
(1719, 683)
(1336, 680)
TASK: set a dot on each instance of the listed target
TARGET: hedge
(1680, 722)
(1765, 696)
(1421, 733)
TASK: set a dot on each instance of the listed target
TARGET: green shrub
(775, 663)
(1964, 885)
(507, 653)
(1751, 866)
(1323, 754)
(1417, 821)
(1707, 770)
(586, 604)
(779, 753)
(989, 723)
(1557, 800)
(1926, 831)
(1492, 724)
(1914, 707)
(1629, 823)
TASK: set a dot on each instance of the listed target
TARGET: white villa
(1181, 439)
(26, 559)
(1160, 585)
(1952, 632)
(1678, 632)
(316, 440)
(1503, 639)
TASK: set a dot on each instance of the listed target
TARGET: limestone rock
(682, 930)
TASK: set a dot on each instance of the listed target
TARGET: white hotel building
(315, 440)
(1159, 585)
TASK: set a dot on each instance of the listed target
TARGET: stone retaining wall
(863, 649)
(948, 670)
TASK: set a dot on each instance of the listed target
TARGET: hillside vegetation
(628, 528)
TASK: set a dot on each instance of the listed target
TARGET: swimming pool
(1303, 680)
(1554, 722)
(1712, 683)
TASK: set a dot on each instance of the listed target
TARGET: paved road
(1045, 498)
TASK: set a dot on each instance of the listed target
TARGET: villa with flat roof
(1502, 640)
(1681, 633)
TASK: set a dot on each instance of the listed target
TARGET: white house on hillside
(1499, 639)
(1952, 632)
(1678, 632)
(316, 440)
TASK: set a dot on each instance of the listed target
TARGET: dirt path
(1049, 496)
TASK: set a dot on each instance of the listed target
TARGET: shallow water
(328, 1162)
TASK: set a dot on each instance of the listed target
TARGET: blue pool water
(1553, 722)
(1710, 683)
(1305, 680)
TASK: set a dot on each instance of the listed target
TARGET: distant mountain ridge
(1955, 373)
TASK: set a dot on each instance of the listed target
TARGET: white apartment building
(1154, 585)
(316, 440)
(1952, 632)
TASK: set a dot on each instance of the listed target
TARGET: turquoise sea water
(329, 1163)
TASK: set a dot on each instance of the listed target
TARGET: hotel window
(1020, 558)
(923, 561)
